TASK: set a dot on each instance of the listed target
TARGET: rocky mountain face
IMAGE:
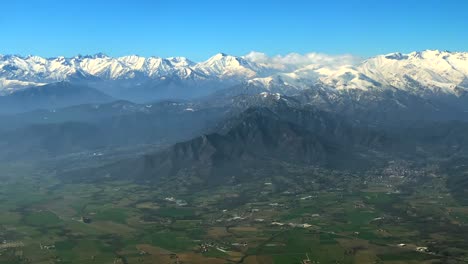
(259, 139)
(284, 140)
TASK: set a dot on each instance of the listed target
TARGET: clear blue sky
(199, 29)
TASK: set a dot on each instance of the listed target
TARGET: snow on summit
(223, 65)
(430, 70)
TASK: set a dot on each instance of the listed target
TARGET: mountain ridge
(429, 71)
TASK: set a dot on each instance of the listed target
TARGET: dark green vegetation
(250, 179)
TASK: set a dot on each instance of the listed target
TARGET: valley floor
(348, 219)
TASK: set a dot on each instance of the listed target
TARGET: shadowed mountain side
(161, 125)
(51, 96)
(257, 144)
(388, 107)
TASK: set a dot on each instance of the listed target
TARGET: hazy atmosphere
(199, 29)
(244, 132)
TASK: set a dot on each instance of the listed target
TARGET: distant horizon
(235, 55)
(196, 30)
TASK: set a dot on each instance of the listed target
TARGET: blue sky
(199, 29)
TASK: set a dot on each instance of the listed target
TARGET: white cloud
(296, 60)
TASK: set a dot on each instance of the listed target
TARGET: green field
(130, 223)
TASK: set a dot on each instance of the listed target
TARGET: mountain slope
(51, 96)
(101, 127)
(225, 66)
(258, 142)
(432, 70)
(426, 74)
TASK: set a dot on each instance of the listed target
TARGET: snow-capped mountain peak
(431, 69)
(418, 72)
(227, 66)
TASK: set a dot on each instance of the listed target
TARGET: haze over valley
(342, 139)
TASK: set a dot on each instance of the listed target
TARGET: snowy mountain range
(429, 71)
(416, 72)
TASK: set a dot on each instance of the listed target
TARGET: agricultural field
(46, 220)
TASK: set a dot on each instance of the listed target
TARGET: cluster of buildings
(46, 247)
(178, 202)
(291, 224)
(206, 246)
